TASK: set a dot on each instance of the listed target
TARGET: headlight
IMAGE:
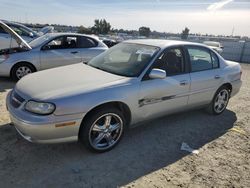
(42, 108)
(3, 57)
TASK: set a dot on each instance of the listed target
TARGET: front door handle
(183, 82)
(217, 77)
(74, 52)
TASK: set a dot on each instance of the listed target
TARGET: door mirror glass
(46, 47)
(31, 34)
(157, 74)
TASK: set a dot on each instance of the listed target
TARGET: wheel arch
(20, 62)
(228, 85)
(117, 104)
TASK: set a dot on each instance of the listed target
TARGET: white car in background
(6, 40)
(45, 52)
(214, 45)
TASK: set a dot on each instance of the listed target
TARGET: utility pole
(232, 31)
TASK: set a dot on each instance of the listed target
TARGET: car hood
(18, 39)
(65, 81)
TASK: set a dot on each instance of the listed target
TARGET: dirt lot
(148, 156)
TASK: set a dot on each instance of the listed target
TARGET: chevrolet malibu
(134, 81)
(48, 51)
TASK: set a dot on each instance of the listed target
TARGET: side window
(200, 59)
(70, 42)
(2, 31)
(215, 60)
(57, 43)
(172, 61)
(85, 42)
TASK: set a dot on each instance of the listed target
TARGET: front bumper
(44, 129)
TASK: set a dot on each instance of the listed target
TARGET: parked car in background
(48, 51)
(214, 45)
(133, 81)
(46, 29)
(7, 41)
(109, 42)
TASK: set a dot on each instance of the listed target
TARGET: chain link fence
(236, 51)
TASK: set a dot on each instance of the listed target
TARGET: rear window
(85, 42)
(215, 60)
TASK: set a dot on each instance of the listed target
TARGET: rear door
(88, 48)
(162, 96)
(60, 51)
(205, 75)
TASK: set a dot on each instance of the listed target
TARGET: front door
(162, 96)
(60, 52)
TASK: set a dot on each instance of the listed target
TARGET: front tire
(220, 101)
(103, 129)
(20, 70)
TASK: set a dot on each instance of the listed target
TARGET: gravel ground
(148, 155)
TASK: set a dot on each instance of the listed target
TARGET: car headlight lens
(42, 108)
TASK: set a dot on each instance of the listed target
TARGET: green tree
(84, 30)
(185, 33)
(144, 31)
(101, 26)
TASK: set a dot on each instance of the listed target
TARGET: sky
(218, 17)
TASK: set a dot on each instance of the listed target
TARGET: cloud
(218, 5)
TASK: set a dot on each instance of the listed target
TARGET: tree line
(101, 26)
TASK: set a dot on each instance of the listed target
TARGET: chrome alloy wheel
(221, 101)
(106, 131)
(23, 71)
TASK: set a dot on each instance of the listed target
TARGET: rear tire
(103, 129)
(20, 70)
(220, 101)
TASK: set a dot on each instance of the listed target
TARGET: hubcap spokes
(106, 131)
(22, 71)
(221, 101)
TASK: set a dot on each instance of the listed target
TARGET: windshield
(36, 42)
(125, 59)
(22, 30)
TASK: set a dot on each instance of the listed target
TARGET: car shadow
(143, 150)
(6, 84)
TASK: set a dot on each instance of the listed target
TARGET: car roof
(16, 24)
(75, 34)
(161, 43)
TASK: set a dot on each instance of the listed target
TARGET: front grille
(16, 100)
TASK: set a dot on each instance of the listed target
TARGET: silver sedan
(131, 82)
(48, 51)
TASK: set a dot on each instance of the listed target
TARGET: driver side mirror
(46, 47)
(157, 74)
(31, 35)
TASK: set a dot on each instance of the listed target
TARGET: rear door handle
(183, 82)
(217, 77)
(75, 52)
